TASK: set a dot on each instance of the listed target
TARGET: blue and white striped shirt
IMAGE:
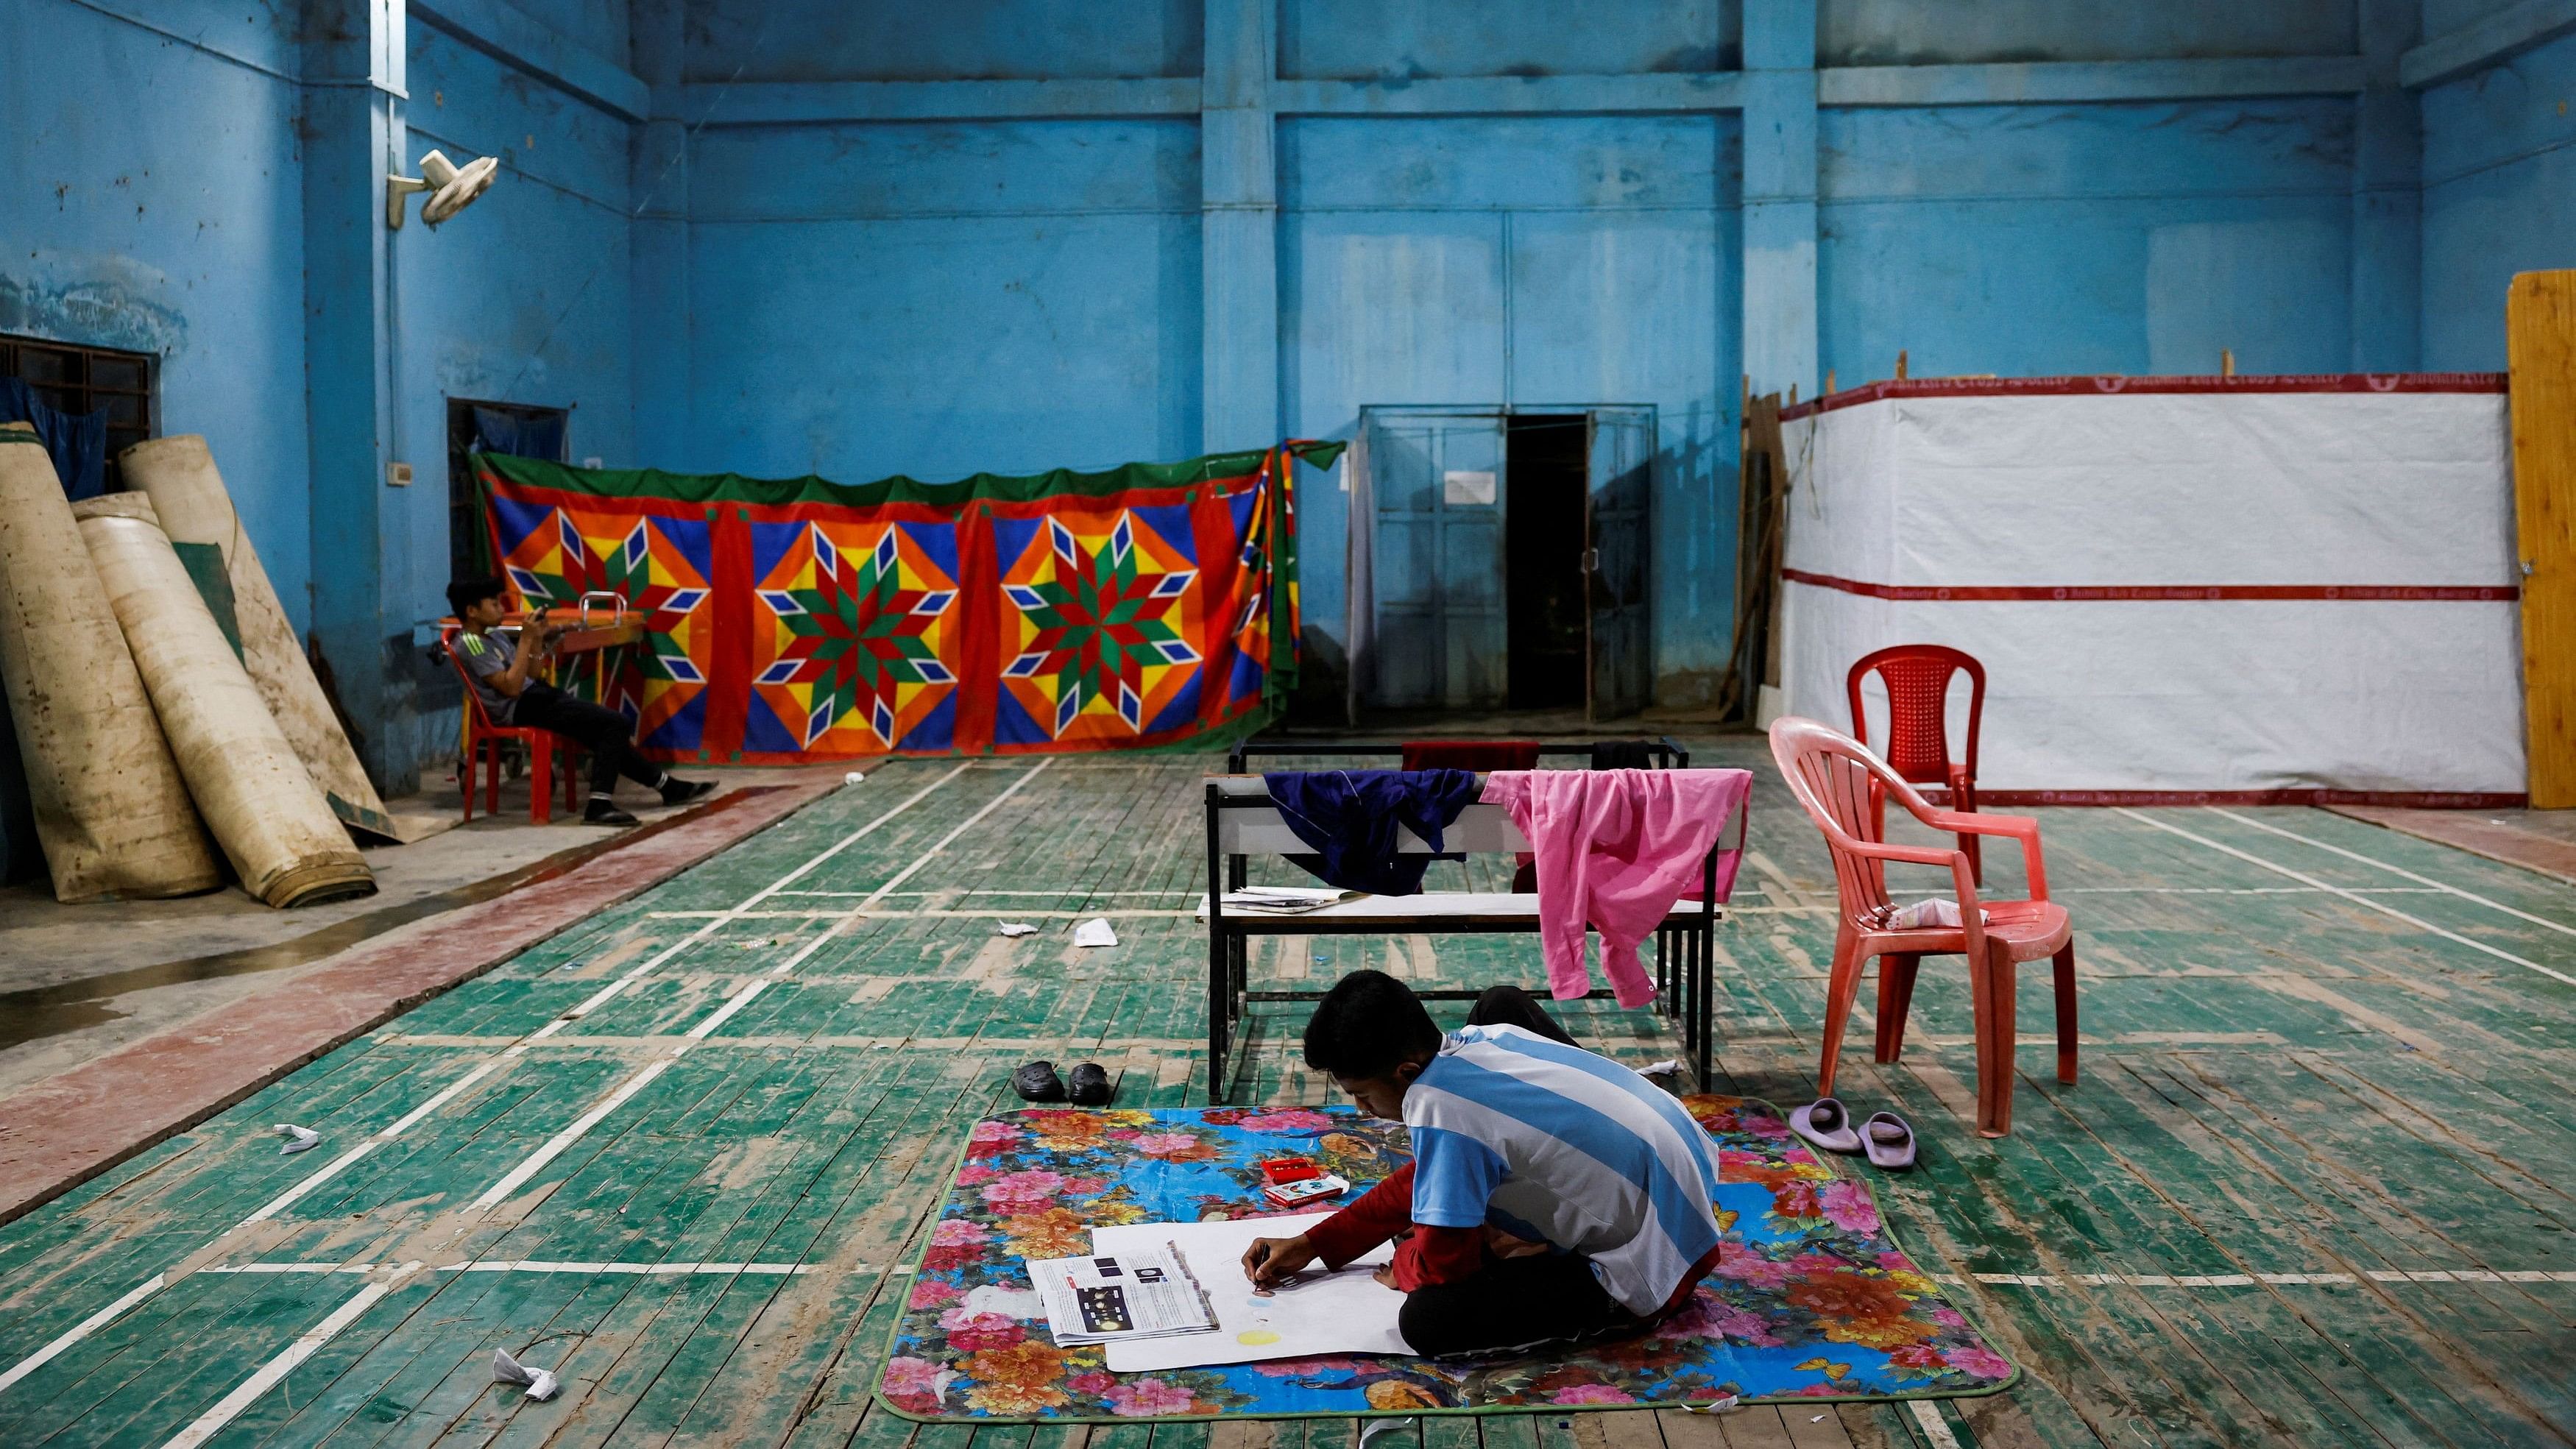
(1551, 1142)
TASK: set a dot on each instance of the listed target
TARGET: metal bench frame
(1685, 946)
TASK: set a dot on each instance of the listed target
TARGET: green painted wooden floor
(2314, 1187)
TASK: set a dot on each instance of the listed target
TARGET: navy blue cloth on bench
(1351, 819)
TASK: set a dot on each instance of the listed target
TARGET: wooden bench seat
(1242, 821)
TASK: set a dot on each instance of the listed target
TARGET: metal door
(1441, 631)
(1617, 519)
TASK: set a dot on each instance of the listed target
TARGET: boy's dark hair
(466, 593)
(1367, 1025)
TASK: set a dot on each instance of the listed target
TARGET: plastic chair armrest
(1961, 822)
(1903, 854)
(2021, 827)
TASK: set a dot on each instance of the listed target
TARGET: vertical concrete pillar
(1238, 229)
(2387, 197)
(659, 301)
(1780, 194)
(353, 136)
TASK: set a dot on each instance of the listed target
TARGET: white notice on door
(1461, 485)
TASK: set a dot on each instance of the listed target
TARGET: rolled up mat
(194, 507)
(283, 840)
(111, 811)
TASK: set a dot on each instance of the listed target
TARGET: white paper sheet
(1323, 1313)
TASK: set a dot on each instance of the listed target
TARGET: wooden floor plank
(2276, 1079)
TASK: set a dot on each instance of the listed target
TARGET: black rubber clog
(1037, 1082)
(1091, 1086)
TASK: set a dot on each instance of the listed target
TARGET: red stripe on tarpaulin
(728, 693)
(2292, 795)
(2161, 593)
(979, 575)
(2114, 386)
(1220, 564)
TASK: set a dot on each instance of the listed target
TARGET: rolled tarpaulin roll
(283, 839)
(194, 506)
(111, 811)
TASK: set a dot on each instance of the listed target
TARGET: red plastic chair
(1918, 723)
(482, 735)
(1839, 781)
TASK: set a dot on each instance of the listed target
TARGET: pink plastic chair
(1839, 781)
(1918, 723)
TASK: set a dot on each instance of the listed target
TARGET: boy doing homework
(1553, 1193)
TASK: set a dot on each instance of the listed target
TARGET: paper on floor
(298, 1139)
(1016, 928)
(1316, 1315)
(1094, 932)
(540, 1383)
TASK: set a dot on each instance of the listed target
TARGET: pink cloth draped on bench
(1616, 849)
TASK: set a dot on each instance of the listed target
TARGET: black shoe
(600, 812)
(1091, 1086)
(681, 792)
(1037, 1082)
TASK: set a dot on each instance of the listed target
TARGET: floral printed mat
(1811, 1299)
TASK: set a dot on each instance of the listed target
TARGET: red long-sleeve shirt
(1425, 1256)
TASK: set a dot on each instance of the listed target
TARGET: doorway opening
(1543, 472)
(489, 427)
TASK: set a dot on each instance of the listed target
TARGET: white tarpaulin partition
(2175, 584)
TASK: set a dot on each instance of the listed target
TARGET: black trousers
(1511, 1006)
(604, 732)
(1516, 1303)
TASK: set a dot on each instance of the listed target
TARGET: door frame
(1360, 580)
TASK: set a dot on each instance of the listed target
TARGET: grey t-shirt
(485, 655)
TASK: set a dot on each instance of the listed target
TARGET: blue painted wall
(119, 228)
(153, 196)
(945, 298)
(2137, 238)
(811, 235)
(1529, 262)
(522, 299)
(2499, 197)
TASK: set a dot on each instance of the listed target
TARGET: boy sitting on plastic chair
(1554, 1194)
(500, 674)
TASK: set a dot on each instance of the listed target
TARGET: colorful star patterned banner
(794, 620)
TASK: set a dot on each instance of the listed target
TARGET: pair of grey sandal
(1885, 1137)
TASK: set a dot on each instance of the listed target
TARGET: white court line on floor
(338, 1164)
(83, 1329)
(601, 997)
(1935, 1428)
(2247, 1280)
(2234, 890)
(542, 1265)
(1083, 891)
(2354, 896)
(554, 1146)
(229, 1407)
(995, 913)
(2426, 881)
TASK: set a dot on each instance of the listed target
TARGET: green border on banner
(1001, 488)
(948, 1184)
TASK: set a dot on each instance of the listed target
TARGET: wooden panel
(2540, 341)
